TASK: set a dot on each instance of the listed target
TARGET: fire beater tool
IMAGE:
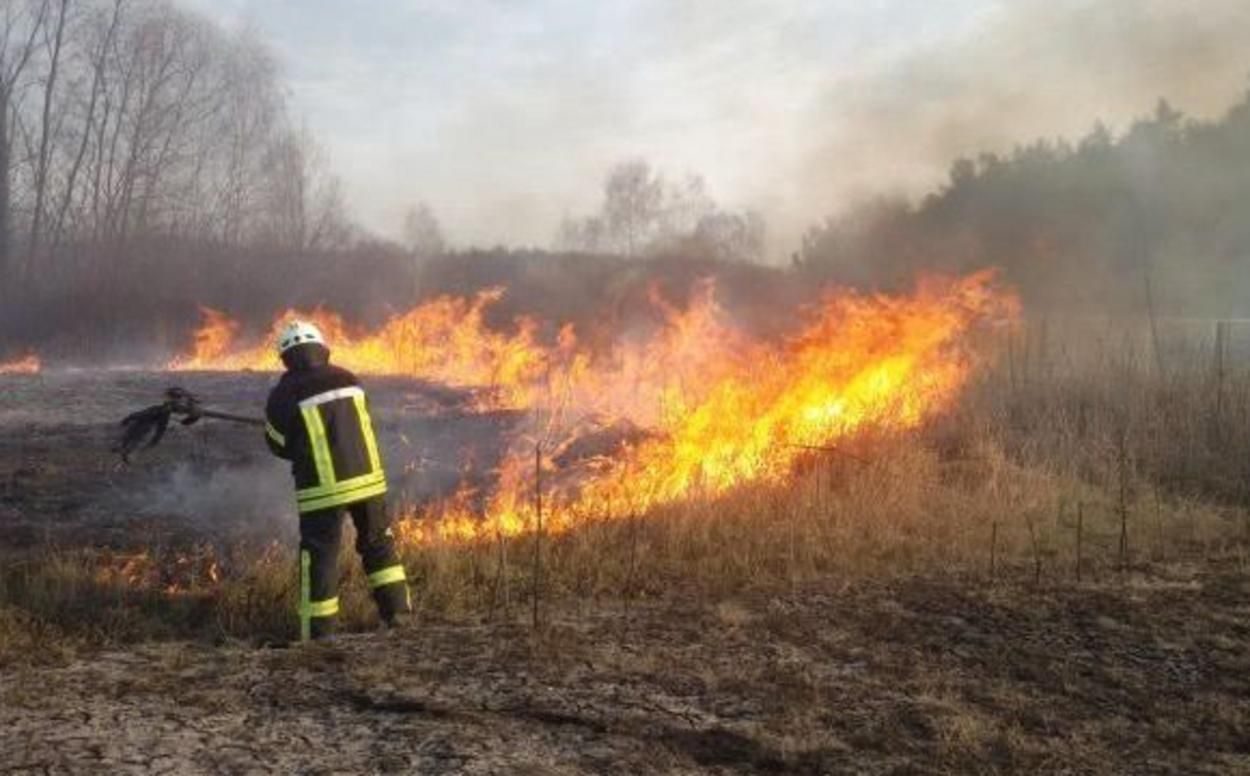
(146, 427)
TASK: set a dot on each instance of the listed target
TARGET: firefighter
(317, 417)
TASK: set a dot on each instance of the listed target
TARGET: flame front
(29, 364)
(712, 407)
(445, 340)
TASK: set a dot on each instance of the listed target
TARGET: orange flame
(734, 411)
(445, 340)
(29, 364)
(720, 408)
(169, 573)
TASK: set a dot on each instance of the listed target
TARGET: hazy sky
(505, 115)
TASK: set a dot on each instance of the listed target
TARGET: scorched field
(907, 535)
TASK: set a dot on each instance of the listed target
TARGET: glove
(191, 415)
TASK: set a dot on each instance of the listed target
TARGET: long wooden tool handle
(231, 417)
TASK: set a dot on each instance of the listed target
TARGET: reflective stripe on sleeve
(275, 435)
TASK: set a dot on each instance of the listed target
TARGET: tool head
(147, 427)
(143, 429)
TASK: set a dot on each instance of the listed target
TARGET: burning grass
(445, 340)
(717, 408)
(29, 364)
(902, 506)
(1016, 473)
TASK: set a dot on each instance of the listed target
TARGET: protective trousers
(320, 535)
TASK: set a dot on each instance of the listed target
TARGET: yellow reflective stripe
(305, 594)
(328, 396)
(388, 576)
(317, 491)
(339, 499)
(326, 608)
(273, 434)
(366, 427)
(320, 445)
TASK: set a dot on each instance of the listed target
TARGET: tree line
(132, 117)
(645, 214)
(128, 122)
(150, 163)
(1158, 215)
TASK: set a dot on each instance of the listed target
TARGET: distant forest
(150, 163)
(1162, 209)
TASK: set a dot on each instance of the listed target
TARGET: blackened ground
(1142, 672)
(922, 676)
(213, 482)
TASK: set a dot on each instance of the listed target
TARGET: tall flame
(444, 340)
(713, 407)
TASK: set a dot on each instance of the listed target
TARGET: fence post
(1219, 357)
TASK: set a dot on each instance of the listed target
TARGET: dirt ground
(1147, 672)
(215, 482)
(923, 676)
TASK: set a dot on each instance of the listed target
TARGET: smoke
(236, 501)
(785, 113)
(505, 119)
(1030, 69)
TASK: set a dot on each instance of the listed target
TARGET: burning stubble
(697, 408)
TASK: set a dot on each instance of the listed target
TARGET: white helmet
(298, 333)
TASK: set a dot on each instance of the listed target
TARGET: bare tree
(633, 196)
(423, 237)
(641, 213)
(54, 44)
(97, 51)
(138, 137)
(685, 206)
(303, 202)
(582, 234)
(20, 28)
(250, 124)
(731, 236)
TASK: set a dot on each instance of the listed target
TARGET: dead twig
(1080, 527)
(538, 533)
(1037, 552)
(1123, 500)
(993, 548)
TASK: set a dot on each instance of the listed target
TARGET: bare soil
(919, 676)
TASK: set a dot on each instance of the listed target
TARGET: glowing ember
(169, 573)
(27, 365)
(720, 409)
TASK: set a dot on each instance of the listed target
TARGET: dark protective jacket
(317, 418)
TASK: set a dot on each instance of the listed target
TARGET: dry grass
(1037, 464)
